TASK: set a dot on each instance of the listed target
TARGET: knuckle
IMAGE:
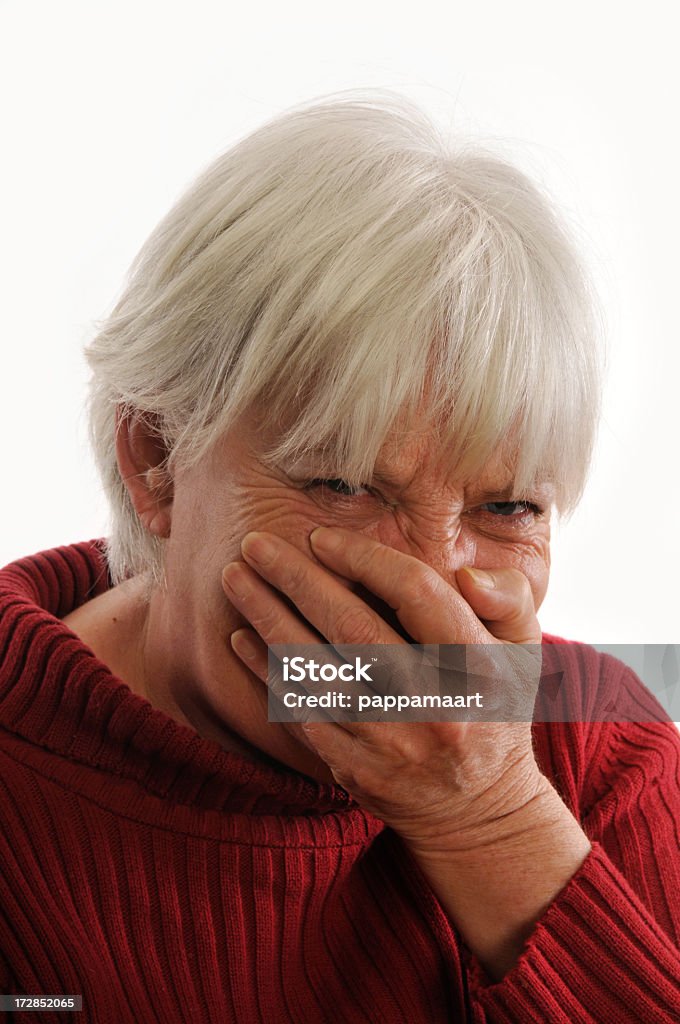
(295, 577)
(421, 584)
(346, 780)
(405, 750)
(357, 775)
(518, 580)
(356, 625)
(365, 565)
(267, 622)
(524, 590)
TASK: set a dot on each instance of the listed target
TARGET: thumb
(503, 600)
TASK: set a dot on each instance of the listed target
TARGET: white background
(110, 110)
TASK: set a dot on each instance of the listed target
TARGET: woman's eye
(339, 486)
(511, 509)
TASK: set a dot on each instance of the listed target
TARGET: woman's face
(410, 505)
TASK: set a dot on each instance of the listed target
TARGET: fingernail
(235, 579)
(325, 538)
(259, 547)
(244, 645)
(481, 578)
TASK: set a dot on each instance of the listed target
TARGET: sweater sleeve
(606, 949)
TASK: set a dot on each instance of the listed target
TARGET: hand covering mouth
(385, 612)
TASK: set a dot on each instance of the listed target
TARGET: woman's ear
(141, 457)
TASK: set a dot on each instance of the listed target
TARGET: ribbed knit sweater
(166, 879)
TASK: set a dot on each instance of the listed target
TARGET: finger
(334, 745)
(401, 671)
(339, 615)
(503, 600)
(254, 654)
(252, 651)
(429, 608)
(274, 621)
(264, 608)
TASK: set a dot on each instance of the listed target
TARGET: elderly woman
(351, 374)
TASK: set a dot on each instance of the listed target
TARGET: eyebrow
(326, 460)
(505, 491)
(541, 491)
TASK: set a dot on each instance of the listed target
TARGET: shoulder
(587, 684)
(595, 720)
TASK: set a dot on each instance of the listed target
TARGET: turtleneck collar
(56, 694)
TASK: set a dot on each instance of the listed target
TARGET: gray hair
(342, 262)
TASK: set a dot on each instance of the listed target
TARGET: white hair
(344, 261)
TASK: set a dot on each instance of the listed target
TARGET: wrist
(495, 879)
(501, 821)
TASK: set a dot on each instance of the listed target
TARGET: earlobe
(141, 455)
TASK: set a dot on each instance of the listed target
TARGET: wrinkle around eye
(327, 481)
(529, 508)
(355, 510)
(368, 499)
(522, 530)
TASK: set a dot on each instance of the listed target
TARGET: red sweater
(168, 880)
